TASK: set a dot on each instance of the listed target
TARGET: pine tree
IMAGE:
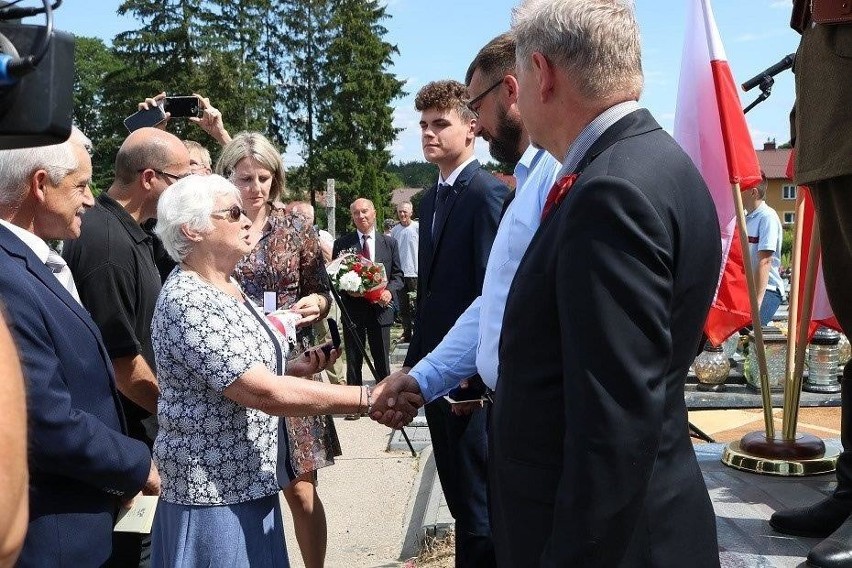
(305, 35)
(357, 128)
(232, 33)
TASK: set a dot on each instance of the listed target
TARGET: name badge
(270, 302)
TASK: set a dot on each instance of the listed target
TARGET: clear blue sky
(438, 38)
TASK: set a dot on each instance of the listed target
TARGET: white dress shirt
(470, 346)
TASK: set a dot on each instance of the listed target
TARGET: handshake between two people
(397, 399)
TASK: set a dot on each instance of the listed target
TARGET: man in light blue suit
(83, 466)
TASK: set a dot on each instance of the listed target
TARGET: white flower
(350, 282)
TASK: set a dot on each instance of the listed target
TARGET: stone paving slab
(743, 503)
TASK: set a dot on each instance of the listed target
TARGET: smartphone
(183, 106)
(480, 399)
(474, 392)
(335, 333)
(335, 337)
(150, 117)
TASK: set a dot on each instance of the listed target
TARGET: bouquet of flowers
(353, 273)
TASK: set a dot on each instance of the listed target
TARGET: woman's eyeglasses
(232, 213)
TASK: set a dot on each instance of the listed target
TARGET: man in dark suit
(458, 222)
(590, 458)
(821, 126)
(82, 463)
(372, 320)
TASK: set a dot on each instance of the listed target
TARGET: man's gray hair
(189, 202)
(18, 165)
(596, 40)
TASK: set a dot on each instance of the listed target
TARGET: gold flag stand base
(755, 453)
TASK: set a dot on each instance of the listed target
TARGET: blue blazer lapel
(17, 249)
(461, 183)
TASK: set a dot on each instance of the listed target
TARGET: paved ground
(367, 496)
(380, 500)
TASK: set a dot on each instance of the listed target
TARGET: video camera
(36, 79)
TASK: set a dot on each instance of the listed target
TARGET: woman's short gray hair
(189, 202)
(16, 166)
(598, 40)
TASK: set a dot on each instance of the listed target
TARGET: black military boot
(817, 521)
(835, 551)
(823, 518)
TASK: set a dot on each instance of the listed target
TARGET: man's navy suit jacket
(81, 462)
(590, 459)
(452, 263)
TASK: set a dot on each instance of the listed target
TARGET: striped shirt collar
(592, 132)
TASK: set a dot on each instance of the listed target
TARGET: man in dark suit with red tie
(458, 222)
(372, 320)
(590, 461)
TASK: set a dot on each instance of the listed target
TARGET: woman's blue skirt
(245, 534)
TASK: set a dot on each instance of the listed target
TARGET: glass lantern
(776, 359)
(844, 351)
(711, 368)
(823, 358)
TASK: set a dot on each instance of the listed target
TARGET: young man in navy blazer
(458, 221)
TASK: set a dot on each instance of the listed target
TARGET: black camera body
(38, 109)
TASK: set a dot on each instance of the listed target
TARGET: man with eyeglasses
(470, 347)
(118, 281)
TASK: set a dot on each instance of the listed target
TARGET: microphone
(782, 65)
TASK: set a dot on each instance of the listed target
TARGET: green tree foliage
(235, 46)
(357, 128)
(308, 33)
(310, 71)
(415, 173)
(93, 62)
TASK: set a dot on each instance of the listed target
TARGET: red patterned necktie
(557, 193)
(365, 247)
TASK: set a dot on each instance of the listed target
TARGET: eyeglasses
(234, 212)
(472, 102)
(173, 177)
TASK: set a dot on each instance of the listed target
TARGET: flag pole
(793, 312)
(760, 452)
(766, 395)
(794, 393)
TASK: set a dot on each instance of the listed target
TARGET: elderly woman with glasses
(285, 271)
(224, 376)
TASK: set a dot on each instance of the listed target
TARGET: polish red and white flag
(822, 313)
(711, 128)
